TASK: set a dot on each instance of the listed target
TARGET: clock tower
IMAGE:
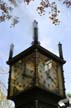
(36, 78)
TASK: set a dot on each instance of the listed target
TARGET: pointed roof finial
(35, 37)
(35, 24)
(11, 51)
(60, 50)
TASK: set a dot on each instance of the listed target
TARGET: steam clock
(36, 77)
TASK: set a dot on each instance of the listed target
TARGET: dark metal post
(61, 56)
(60, 50)
(9, 80)
(11, 51)
(35, 32)
(36, 103)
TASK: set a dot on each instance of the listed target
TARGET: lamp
(64, 103)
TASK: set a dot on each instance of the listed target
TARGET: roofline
(32, 48)
(52, 55)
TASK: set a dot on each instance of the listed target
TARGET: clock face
(47, 75)
(22, 75)
(21, 84)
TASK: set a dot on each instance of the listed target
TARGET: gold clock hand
(52, 79)
(25, 75)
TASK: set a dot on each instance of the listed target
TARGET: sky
(49, 36)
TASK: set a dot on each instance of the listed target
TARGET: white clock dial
(20, 81)
(47, 76)
(22, 76)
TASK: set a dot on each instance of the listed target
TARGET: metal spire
(35, 37)
(11, 51)
(60, 50)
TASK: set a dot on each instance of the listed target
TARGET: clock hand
(25, 75)
(51, 79)
(49, 76)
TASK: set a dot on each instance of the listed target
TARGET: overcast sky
(49, 35)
